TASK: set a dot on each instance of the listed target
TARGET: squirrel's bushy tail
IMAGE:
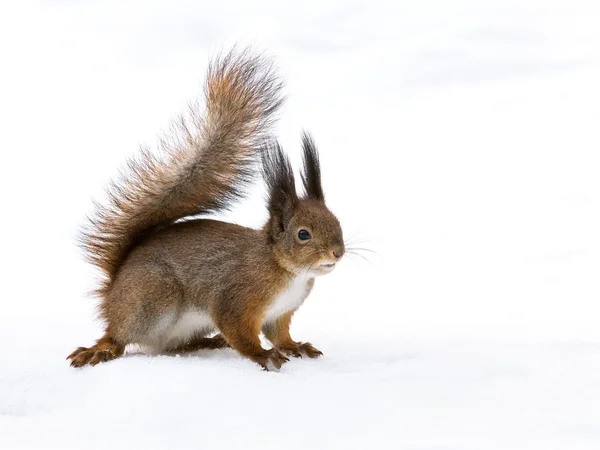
(202, 167)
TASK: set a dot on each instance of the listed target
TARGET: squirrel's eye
(303, 235)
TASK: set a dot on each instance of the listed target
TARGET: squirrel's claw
(272, 360)
(299, 349)
(291, 351)
(307, 349)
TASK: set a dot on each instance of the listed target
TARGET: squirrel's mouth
(327, 266)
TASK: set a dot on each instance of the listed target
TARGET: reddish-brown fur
(169, 283)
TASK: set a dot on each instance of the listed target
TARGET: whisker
(361, 249)
(351, 258)
(352, 253)
(355, 238)
(354, 244)
(353, 235)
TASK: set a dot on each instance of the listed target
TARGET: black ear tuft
(279, 178)
(311, 177)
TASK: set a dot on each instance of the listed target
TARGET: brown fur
(201, 343)
(278, 332)
(169, 284)
(104, 350)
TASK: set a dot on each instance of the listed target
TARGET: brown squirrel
(170, 283)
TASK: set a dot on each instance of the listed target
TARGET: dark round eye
(303, 235)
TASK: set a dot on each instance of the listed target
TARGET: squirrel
(171, 279)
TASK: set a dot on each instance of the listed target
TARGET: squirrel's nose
(338, 252)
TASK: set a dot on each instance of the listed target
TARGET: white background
(459, 142)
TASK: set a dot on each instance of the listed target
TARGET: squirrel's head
(306, 236)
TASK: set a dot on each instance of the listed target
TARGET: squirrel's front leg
(278, 333)
(242, 333)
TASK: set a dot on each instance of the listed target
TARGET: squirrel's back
(203, 166)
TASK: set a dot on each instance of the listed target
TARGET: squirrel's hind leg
(105, 349)
(200, 343)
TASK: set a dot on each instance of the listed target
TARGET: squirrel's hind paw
(104, 350)
(80, 357)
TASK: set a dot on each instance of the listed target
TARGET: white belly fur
(289, 299)
(171, 333)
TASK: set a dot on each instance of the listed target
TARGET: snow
(365, 393)
(459, 141)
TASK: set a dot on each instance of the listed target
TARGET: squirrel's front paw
(272, 359)
(299, 349)
(307, 349)
(291, 350)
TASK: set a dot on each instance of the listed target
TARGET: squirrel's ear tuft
(279, 178)
(311, 176)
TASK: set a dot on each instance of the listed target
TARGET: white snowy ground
(460, 140)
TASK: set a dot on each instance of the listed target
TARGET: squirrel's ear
(311, 176)
(279, 178)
